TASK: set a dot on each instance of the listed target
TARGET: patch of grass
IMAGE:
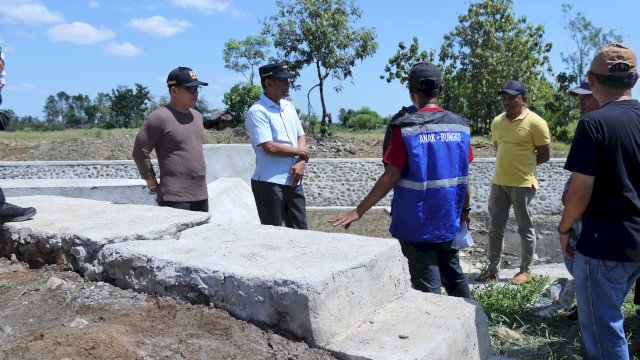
(369, 136)
(6, 284)
(32, 135)
(542, 338)
(32, 288)
(75, 293)
(558, 147)
(507, 300)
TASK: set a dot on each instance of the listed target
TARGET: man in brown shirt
(176, 133)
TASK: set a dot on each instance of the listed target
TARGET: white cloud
(159, 26)
(27, 11)
(206, 6)
(124, 49)
(21, 86)
(79, 33)
(93, 4)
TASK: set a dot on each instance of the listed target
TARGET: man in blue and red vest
(427, 166)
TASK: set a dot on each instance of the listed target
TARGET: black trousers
(2, 199)
(280, 203)
(434, 264)
(200, 205)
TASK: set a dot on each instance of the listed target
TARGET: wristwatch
(563, 232)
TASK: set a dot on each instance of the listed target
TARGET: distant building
(219, 120)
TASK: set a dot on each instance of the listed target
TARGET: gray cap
(583, 89)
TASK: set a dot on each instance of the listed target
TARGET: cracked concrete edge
(43, 246)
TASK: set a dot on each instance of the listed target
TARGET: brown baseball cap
(616, 60)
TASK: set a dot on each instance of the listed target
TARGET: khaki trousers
(501, 198)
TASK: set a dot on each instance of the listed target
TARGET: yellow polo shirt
(517, 140)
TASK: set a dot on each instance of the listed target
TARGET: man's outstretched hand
(345, 219)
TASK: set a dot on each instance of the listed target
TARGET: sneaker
(486, 276)
(521, 278)
(13, 213)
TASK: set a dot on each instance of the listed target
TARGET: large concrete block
(119, 191)
(231, 201)
(315, 285)
(420, 326)
(76, 229)
(229, 160)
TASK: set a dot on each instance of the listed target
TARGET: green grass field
(22, 135)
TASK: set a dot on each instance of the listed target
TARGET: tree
(320, 33)
(246, 55)
(399, 64)
(52, 110)
(128, 108)
(239, 99)
(587, 38)
(100, 110)
(487, 48)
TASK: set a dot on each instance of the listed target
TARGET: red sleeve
(396, 152)
(470, 153)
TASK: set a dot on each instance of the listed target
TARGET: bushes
(363, 119)
(365, 122)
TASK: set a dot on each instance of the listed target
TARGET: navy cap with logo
(583, 89)
(183, 76)
(514, 87)
(425, 76)
(279, 70)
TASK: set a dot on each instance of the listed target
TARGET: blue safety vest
(428, 199)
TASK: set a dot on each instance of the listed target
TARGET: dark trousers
(2, 199)
(200, 205)
(434, 264)
(278, 203)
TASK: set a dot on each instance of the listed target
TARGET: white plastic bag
(463, 238)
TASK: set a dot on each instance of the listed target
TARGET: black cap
(425, 76)
(183, 76)
(514, 87)
(279, 70)
(583, 89)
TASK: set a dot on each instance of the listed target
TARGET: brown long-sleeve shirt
(177, 138)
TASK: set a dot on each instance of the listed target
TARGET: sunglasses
(192, 89)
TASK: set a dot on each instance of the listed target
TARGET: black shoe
(14, 213)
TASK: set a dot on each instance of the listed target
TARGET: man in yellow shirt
(522, 142)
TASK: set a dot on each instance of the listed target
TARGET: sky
(92, 46)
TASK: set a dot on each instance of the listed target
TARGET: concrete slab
(314, 285)
(229, 160)
(76, 229)
(420, 326)
(231, 201)
(119, 191)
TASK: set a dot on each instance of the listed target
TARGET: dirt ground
(50, 313)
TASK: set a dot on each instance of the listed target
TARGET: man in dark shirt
(604, 161)
(176, 133)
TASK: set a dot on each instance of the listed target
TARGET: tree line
(123, 107)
